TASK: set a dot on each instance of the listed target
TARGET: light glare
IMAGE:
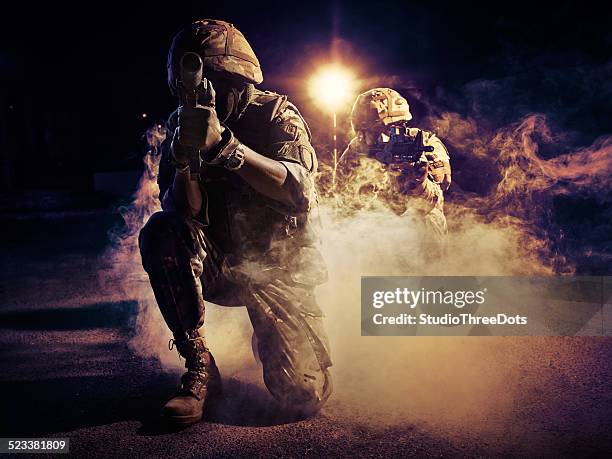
(331, 87)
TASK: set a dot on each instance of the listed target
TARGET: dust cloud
(443, 381)
(471, 383)
(458, 383)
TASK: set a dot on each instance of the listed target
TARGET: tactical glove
(440, 170)
(180, 154)
(198, 128)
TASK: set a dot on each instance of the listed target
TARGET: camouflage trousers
(184, 268)
(428, 198)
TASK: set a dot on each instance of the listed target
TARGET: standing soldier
(239, 229)
(364, 167)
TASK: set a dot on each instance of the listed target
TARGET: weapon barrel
(191, 79)
(191, 71)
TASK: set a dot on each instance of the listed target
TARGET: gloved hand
(446, 180)
(198, 128)
(440, 170)
(180, 155)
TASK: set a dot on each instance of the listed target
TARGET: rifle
(401, 148)
(191, 85)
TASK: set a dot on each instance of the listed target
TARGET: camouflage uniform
(363, 177)
(247, 249)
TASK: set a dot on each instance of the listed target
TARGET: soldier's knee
(294, 351)
(157, 236)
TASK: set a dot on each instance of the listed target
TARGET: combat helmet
(379, 106)
(222, 48)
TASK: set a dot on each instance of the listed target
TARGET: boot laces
(192, 351)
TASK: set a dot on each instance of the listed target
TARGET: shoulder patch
(308, 158)
(267, 104)
(288, 110)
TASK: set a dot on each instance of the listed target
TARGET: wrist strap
(236, 159)
(219, 155)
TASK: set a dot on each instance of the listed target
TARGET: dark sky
(90, 70)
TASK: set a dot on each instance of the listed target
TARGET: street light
(332, 87)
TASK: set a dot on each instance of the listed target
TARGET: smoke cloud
(511, 177)
(503, 214)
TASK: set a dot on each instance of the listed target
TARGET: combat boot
(201, 382)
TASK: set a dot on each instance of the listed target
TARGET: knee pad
(163, 233)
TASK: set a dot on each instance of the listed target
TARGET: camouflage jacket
(245, 226)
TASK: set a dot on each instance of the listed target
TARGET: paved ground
(67, 371)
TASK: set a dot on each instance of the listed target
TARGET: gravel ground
(67, 371)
